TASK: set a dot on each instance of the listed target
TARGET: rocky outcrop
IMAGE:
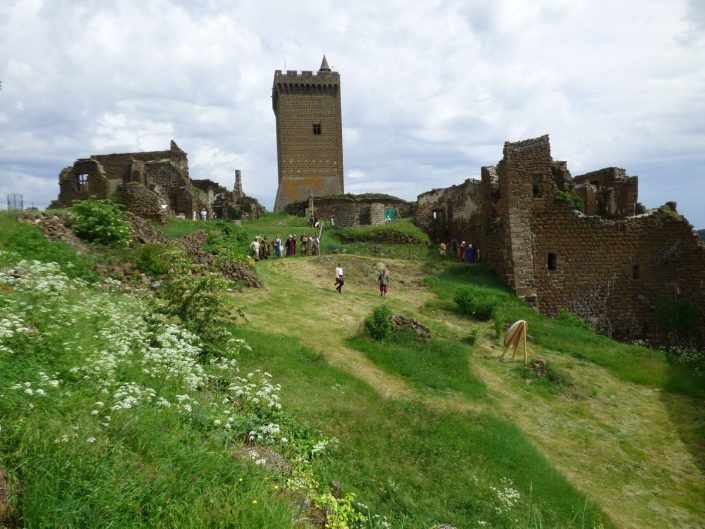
(401, 323)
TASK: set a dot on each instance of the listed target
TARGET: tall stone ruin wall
(611, 269)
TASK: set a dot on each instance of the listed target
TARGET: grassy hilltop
(125, 406)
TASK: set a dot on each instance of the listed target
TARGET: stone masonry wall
(612, 272)
(615, 193)
(70, 189)
(140, 200)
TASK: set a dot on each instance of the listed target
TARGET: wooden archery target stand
(516, 334)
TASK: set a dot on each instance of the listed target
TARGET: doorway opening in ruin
(552, 261)
(438, 217)
(635, 271)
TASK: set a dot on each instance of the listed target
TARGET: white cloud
(430, 89)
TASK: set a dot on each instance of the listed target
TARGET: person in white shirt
(339, 282)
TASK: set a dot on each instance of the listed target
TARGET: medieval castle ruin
(152, 185)
(582, 244)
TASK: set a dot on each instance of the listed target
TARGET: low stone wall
(355, 210)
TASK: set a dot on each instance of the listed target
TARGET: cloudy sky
(430, 89)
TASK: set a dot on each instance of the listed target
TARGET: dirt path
(614, 441)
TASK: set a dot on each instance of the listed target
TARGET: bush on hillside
(473, 336)
(476, 304)
(379, 323)
(199, 303)
(230, 245)
(157, 259)
(100, 221)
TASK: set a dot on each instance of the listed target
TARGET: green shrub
(158, 259)
(473, 335)
(572, 319)
(566, 196)
(100, 221)
(379, 323)
(199, 303)
(477, 304)
(230, 245)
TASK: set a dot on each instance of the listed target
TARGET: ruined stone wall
(467, 212)
(184, 203)
(616, 194)
(448, 214)
(309, 159)
(355, 210)
(118, 166)
(141, 201)
(72, 188)
(165, 175)
(207, 186)
(612, 272)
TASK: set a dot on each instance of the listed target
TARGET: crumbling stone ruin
(152, 185)
(582, 244)
(309, 134)
(349, 210)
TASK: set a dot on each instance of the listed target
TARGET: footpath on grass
(614, 441)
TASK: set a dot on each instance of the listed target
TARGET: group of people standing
(466, 252)
(262, 247)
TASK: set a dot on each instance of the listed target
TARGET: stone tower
(309, 134)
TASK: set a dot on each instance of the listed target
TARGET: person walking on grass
(383, 281)
(339, 281)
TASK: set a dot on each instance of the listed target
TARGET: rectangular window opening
(552, 261)
(635, 271)
(82, 180)
(317, 128)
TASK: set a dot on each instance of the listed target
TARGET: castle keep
(613, 264)
(309, 134)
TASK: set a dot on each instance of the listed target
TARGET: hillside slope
(631, 448)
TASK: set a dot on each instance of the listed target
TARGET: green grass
(415, 465)
(175, 228)
(29, 242)
(149, 467)
(438, 365)
(402, 226)
(632, 363)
